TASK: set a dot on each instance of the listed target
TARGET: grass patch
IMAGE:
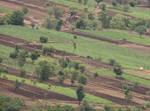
(85, 47)
(58, 89)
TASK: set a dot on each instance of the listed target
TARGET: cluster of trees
(117, 22)
(65, 69)
(53, 20)
(21, 56)
(10, 104)
(14, 18)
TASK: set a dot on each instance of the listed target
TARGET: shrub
(1, 59)
(43, 39)
(13, 55)
(82, 79)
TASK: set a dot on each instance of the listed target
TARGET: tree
(1, 59)
(44, 70)
(59, 25)
(85, 2)
(58, 13)
(25, 10)
(17, 85)
(16, 18)
(74, 76)
(118, 22)
(34, 56)
(10, 104)
(61, 76)
(21, 58)
(43, 39)
(118, 70)
(22, 73)
(114, 3)
(82, 79)
(141, 30)
(105, 19)
(13, 54)
(81, 24)
(98, 1)
(127, 91)
(80, 93)
(86, 107)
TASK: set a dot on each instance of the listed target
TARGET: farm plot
(120, 35)
(58, 89)
(86, 47)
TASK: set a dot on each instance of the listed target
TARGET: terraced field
(99, 53)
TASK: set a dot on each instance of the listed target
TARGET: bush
(43, 39)
(22, 73)
(34, 56)
(118, 70)
(13, 55)
(82, 79)
(1, 59)
(47, 50)
(118, 22)
(86, 107)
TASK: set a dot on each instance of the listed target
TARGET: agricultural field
(74, 55)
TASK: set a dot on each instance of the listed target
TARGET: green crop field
(107, 63)
(58, 89)
(130, 76)
(29, 66)
(85, 46)
(120, 35)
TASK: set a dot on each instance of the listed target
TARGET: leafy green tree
(82, 79)
(43, 39)
(74, 76)
(58, 13)
(25, 10)
(98, 1)
(34, 56)
(118, 22)
(10, 104)
(17, 85)
(118, 70)
(21, 58)
(44, 70)
(141, 30)
(61, 76)
(105, 19)
(16, 18)
(127, 91)
(81, 24)
(80, 93)
(59, 25)
(1, 59)
(22, 73)
(86, 107)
